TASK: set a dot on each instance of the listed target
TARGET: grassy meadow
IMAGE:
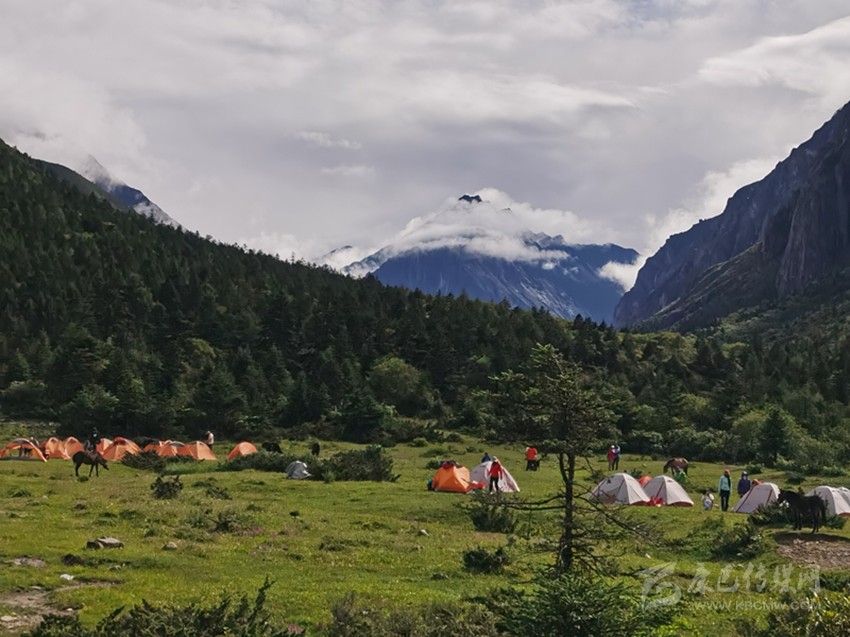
(393, 543)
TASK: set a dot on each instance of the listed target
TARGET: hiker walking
(495, 472)
(724, 487)
(531, 462)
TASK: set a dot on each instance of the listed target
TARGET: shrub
(480, 560)
(741, 541)
(433, 464)
(260, 461)
(226, 617)
(166, 489)
(754, 469)
(145, 461)
(582, 605)
(351, 618)
(835, 522)
(372, 463)
(823, 615)
(489, 514)
(771, 515)
(832, 472)
(419, 442)
(793, 477)
(227, 521)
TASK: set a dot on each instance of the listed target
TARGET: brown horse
(676, 463)
(93, 460)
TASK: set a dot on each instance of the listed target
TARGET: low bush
(145, 461)
(754, 469)
(490, 514)
(481, 560)
(774, 514)
(261, 461)
(226, 617)
(794, 477)
(741, 541)
(835, 522)
(352, 618)
(582, 605)
(824, 615)
(372, 463)
(228, 521)
(166, 489)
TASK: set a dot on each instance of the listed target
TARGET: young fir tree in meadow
(562, 416)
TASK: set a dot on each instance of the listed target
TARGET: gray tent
(297, 470)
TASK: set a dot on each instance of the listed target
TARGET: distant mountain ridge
(477, 249)
(775, 238)
(93, 178)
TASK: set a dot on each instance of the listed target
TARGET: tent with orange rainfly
(167, 449)
(54, 449)
(22, 449)
(72, 446)
(197, 450)
(119, 448)
(242, 449)
(451, 477)
(103, 445)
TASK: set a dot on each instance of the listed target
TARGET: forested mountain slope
(109, 319)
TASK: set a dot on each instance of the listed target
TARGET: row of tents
(622, 488)
(455, 478)
(116, 449)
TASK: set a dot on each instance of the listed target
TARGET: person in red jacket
(531, 462)
(495, 472)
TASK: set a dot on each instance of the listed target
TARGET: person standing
(210, 439)
(611, 455)
(724, 487)
(616, 457)
(530, 459)
(495, 472)
(744, 484)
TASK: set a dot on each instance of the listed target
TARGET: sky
(299, 127)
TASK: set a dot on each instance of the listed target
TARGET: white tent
(621, 488)
(836, 501)
(297, 470)
(507, 484)
(759, 496)
(665, 490)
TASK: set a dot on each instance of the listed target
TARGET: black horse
(93, 460)
(802, 505)
(272, 447)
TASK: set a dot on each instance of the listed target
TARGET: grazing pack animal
(802, 505)
(676, 463)
(315, 449)
(272, 447)
(94, 461)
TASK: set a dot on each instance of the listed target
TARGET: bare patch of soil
(32, 604)
(825, 551)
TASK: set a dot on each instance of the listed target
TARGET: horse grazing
(93, 460)
(676, 463)
(812, 505)
(272, 447)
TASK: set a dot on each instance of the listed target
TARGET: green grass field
(318, 541)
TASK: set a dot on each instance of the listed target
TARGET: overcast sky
(298, 127)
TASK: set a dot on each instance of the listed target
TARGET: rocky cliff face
(778, 235)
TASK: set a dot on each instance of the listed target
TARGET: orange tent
(119, 448)
(451, 477)
(103, 445)
(22, 445)
(198, 450)
(54, 449)
(168, 449)
(242, 449)
(72, 446)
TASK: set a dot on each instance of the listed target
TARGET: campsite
(391, 543)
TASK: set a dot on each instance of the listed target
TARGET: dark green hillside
(109, 319)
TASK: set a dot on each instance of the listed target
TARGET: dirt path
(826, 551)
(33, 603)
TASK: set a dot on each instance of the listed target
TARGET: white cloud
(326, 140)
(630, 114)
(350, 170)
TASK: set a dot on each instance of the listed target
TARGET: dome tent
(297, 470)
(243, 448)
(451, 477)
(837, 503)
(480, 475)
(620, 488)
(665, 490)
(759, 496)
